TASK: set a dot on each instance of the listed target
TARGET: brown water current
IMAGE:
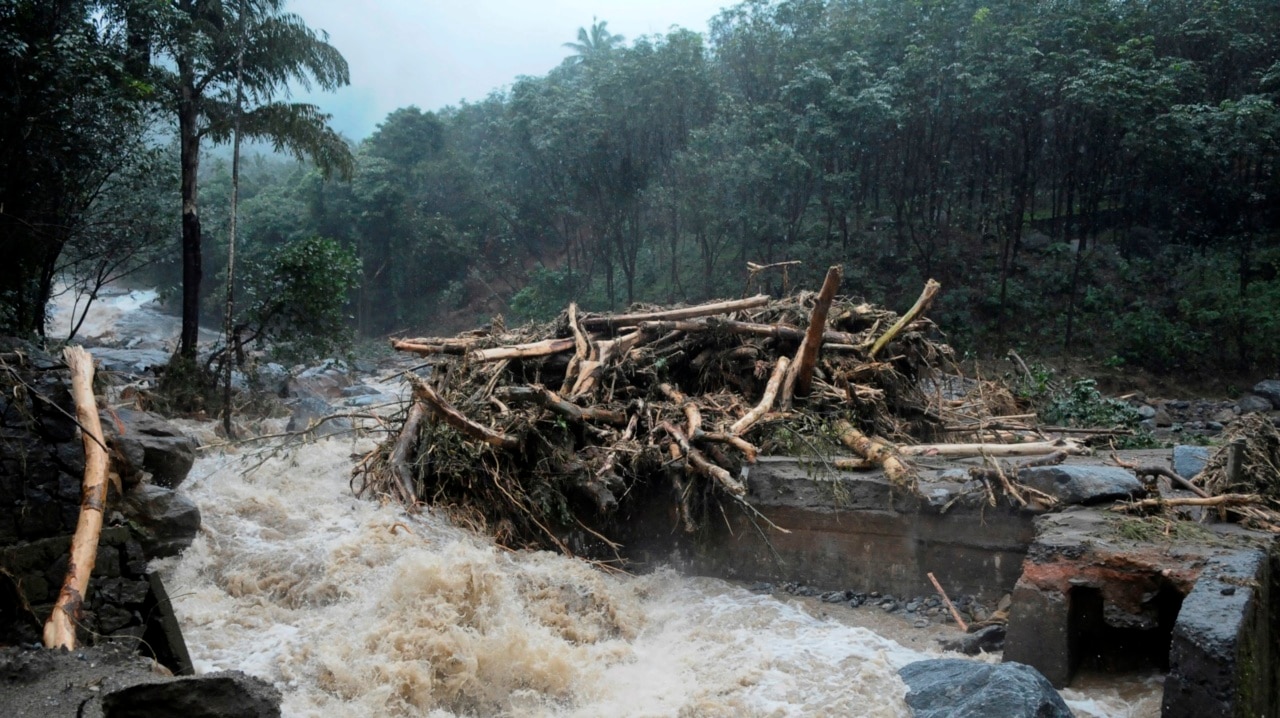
(355, 609)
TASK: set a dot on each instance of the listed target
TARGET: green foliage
(1081, 404)
(295, 300)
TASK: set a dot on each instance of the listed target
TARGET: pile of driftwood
(529, 432)
(1240, 482)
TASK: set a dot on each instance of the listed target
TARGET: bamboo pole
(60, 630)
(926, 298)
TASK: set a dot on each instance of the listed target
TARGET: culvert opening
(1105, 639)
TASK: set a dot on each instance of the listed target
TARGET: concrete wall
(851, 531)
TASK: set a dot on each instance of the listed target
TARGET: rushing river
(355, 609)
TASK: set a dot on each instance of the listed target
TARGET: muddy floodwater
(353, 608)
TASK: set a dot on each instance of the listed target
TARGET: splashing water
(355, 609)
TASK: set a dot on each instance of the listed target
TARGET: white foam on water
(353, 608)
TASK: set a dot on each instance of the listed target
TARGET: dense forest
(1085, 177)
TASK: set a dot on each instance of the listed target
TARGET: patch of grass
(1154, 529)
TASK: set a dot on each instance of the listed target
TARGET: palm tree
(596, 43)
(202, 41)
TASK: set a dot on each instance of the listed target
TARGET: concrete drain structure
(1087, 593)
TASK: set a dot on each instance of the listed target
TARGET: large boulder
(1270, 390)
(229, 694)
(144, 442)
(957, 688)
(1188, 461)
(168, 521)
(313, 413)
(1072, 484)
(130, 361)
(1252, 404)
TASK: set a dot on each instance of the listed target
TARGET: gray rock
(1189, 460)
(229, 694)
(310, 411)
(1250, 404)
(1073, 484)
(146, 442)
(130, 361)
(1147, 412)
(362, 401)
(1270, 390)
(1162, 417)
(169, 521)
(958, 688)
(984, 640)
(358, 390)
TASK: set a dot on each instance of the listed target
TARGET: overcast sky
(433, 53)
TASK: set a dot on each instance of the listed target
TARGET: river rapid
(356, 609)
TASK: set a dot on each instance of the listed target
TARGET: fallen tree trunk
(428, 346)
(700, 310)
(766, 402)
(558, 404)
(775, 331)
(1222, 500)
(800, 376)
(60, 630)
(403, 449)
(876, 450)
(956, 451)
(695, 459)
(522, 351)
(457, 420)
(926, 298)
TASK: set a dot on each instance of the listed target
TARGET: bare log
(695, 433)
(457, 420)
(1222, 500)
(522, 351)
(698, 310)
(922, 304)
(1033, 448)
(589, 371)
(800, 376)
(950, 606)
(582, 349)
(60, 629)
(558, 404)
(877, 450)
(402, 450)
(695, 459)
(1173, 477)
(766, 402)
(775, 331)
(428, 346)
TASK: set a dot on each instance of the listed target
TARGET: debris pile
(529, 433)
(1240, 481)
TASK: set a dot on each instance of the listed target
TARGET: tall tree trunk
(192, 273)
